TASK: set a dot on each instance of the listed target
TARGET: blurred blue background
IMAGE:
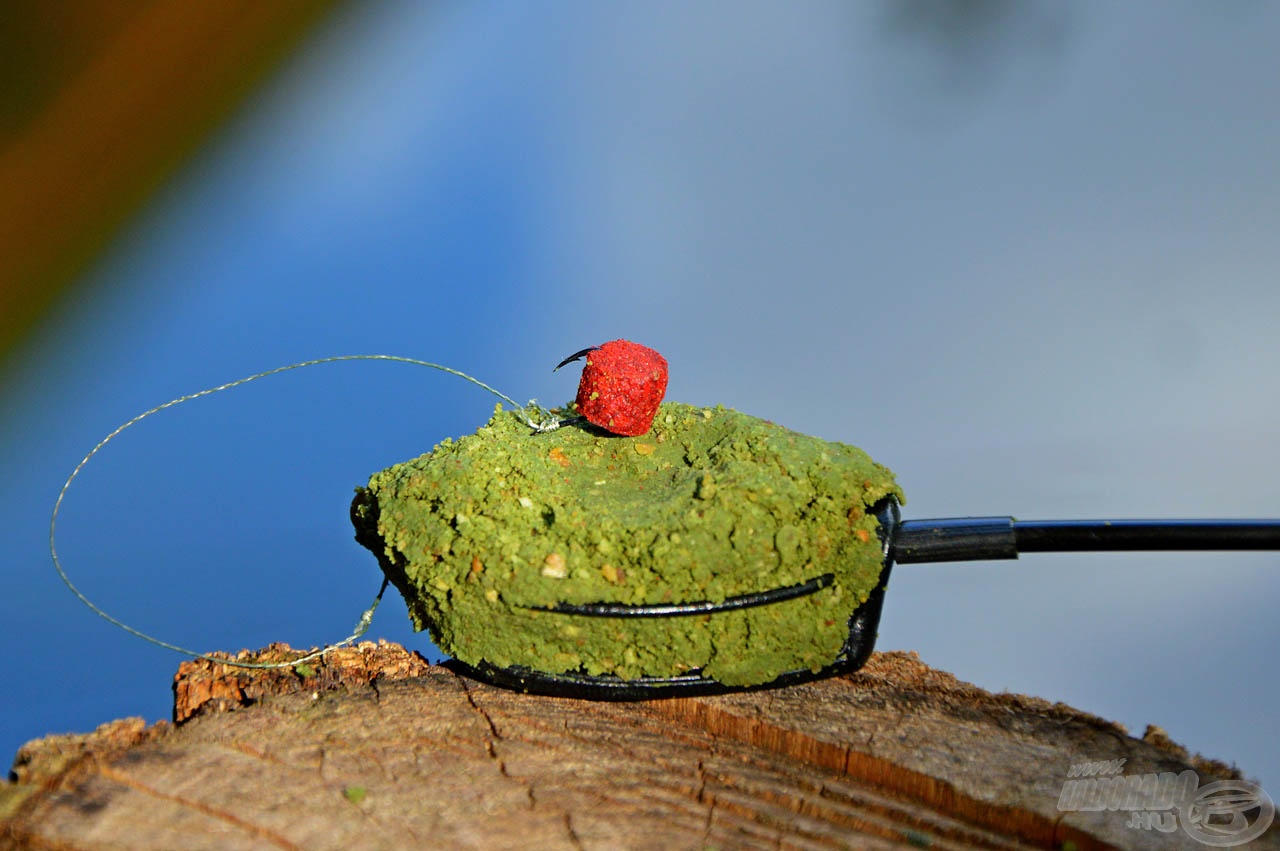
(1023, 253)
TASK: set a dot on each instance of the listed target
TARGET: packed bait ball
(484, 533)
(622, 385)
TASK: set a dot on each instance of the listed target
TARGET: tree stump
(371, 747)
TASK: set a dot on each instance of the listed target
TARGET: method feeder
(621, 388)
(902, 542)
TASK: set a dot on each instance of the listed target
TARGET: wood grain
(373, 748)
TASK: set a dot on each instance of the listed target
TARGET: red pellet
(622, 384)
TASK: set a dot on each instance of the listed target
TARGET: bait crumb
(553, 566)
(714, 504)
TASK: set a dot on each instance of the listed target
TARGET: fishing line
(530, 413)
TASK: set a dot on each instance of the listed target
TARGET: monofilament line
(531, 414)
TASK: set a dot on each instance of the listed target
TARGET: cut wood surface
(371, 747)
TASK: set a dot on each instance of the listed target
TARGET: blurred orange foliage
(101, 100)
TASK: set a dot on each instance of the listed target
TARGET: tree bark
(371, 747)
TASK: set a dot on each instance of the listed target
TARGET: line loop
(531, 414)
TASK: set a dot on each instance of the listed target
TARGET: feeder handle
(982, 538)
